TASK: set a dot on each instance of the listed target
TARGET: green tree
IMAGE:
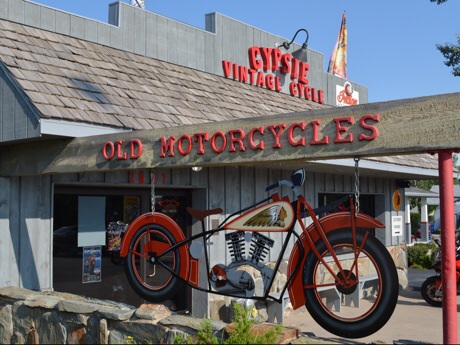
(451, 52)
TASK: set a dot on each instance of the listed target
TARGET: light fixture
(196, 169)
(301, 53)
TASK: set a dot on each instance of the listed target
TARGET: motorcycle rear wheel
(428, 290)
(155, 279)
(360, 309)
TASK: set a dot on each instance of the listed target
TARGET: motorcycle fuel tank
(275, 216)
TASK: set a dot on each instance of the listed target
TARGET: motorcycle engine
(231, 280)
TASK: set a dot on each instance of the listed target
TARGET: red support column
(449, 280)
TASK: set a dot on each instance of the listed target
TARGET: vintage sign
(270, 68)
(419, 125)
(236, 140)
(346, 95)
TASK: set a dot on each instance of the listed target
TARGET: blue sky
(391, 44)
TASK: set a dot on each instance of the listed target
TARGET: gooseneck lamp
(301, 53)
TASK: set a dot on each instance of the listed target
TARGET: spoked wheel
(429, 290)
(150, 275)
(360, 302)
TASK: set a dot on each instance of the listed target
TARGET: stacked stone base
(58, 318)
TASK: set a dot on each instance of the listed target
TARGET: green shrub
(421, 255)
(415, 222)
(240, 335)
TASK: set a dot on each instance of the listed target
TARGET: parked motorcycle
(431, 288)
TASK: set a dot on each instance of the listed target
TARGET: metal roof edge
(382, 166)
(75, 129)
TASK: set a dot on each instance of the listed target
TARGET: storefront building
(63, 77)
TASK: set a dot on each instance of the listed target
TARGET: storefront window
(87, 265)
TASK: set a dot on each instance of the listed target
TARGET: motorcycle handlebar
(287, 183)
(272, 186)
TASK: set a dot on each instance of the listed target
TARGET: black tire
(428, 290)
(380, 292)
(150, 280)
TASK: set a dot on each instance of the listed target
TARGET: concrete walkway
(413, 322)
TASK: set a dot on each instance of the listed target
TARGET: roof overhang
(74, 129)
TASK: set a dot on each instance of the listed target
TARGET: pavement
(413, 322)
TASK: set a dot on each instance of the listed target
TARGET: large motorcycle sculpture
(344, 276)
(431, 288)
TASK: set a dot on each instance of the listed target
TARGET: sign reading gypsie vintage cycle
(335, 258)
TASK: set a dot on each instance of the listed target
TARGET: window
(112, 205)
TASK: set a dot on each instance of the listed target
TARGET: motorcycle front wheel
(428, 290)
(361, 301)
(154, 278)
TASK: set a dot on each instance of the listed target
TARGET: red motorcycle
(431, 288)
(337, 269)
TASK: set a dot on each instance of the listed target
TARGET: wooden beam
(418, 125)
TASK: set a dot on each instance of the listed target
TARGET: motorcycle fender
(167, 223)
(329, 223)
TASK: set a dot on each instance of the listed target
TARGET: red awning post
(449, 279)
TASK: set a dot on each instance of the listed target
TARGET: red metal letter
(373, 129)
(276, 136)
(213, 142)
(236, 136)
(294, 68)
(270, 82)
(180, 148)
(285, 63)
(254, 63)
(136, 146)
(167, 146)
(315, 141)
(301, 142)
(108, 146)
(227, 67)
(120, 154)
(200, 138)
(292, 89)
(266, 54)
(339, 130)
(321, 96)
(276, 59)
(251, 142)
(303, 72)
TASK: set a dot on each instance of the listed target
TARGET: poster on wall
(91, 264)
(114, 232)
(131, 208)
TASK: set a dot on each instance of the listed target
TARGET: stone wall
(57, 318)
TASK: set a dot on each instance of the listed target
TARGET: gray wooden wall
(26, 209)
(26, 232)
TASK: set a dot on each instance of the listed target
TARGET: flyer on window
(91, 264)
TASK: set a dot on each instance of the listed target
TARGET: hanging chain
(152, 189)
(356, 186)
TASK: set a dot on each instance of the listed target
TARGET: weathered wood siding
(26, 233)
(17, 119)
